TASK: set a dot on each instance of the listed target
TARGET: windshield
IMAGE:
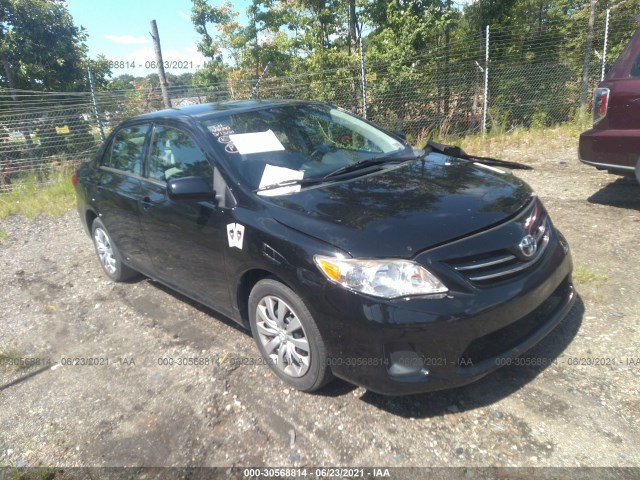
(298, 142)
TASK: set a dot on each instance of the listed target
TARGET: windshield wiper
(366, 163)
(453, 151)
(290, 183)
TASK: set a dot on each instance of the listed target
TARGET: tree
(40, 47)
(121, 82)
(213, 23)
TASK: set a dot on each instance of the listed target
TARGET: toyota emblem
(528, 246)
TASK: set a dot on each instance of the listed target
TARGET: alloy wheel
(282, 336)
(105, 250)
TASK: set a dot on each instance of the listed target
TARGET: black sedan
(345, 251)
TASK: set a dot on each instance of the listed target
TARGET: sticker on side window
(256, 142)
(230, 148)
(235, 235)
(220, 129)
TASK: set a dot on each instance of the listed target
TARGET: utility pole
(163, 79)
(587, 59)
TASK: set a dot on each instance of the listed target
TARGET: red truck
(613, 143)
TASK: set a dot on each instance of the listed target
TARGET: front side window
(127, 149)
(175, 154)
(298, 141)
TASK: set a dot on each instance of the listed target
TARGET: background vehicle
(613, 143)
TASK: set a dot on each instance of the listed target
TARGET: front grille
(489, 267)
(504, 339)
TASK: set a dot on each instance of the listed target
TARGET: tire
(280, 324)
(638, 171)
(108, 255)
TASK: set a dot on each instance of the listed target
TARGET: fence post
(96, 111)
(604, 48)
(364, 79)
(256, 88)
(486, 85)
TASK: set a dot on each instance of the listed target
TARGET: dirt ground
(123, 405)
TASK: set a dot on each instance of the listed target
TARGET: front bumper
(417, 345)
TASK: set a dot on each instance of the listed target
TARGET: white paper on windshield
(273, 175)
(256, 142)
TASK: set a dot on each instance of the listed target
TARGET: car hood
(403, 209)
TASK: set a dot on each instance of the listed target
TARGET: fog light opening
(404, 361)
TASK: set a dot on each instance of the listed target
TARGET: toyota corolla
(344, 250)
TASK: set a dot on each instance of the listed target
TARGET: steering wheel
(319, 151)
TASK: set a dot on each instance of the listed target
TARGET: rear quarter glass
(628, 63)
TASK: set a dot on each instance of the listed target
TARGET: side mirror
(190, 189)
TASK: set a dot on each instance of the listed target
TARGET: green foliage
(511, 145)
(40, 47)
(35, 194)
(50, 142)
(424, 54)
(121, 82)
(11, 358)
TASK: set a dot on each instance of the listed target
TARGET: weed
(35, 194)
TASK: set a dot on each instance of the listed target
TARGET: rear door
(118, 189)
(185, 240)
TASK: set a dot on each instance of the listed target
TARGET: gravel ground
(57, 304)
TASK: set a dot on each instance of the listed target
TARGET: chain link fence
(430, 96)
(40, 132)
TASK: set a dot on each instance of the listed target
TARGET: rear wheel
(287, 336)
(108, 254)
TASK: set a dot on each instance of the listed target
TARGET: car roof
(208, 111)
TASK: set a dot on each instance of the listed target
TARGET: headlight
(380, 278)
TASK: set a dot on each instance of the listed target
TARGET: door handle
(147, 203)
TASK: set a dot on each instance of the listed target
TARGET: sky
(119, 29)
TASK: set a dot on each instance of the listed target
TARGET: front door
(185, 240)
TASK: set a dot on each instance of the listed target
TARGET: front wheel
(287, 336)
(108, 254)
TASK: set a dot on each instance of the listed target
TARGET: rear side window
(175, 154)
(635, 68)
(127, 149)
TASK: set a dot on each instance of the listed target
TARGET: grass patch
(3, 235)
(585, 276)
(522, 144)
(591, 284)
(38, 473)
(36, 194)
(11, 359)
